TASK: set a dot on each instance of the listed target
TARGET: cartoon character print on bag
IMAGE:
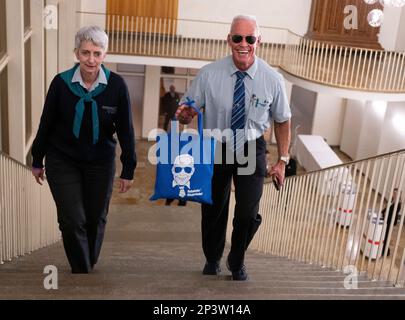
(183, 169)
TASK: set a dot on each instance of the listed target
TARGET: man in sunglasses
(240, 94)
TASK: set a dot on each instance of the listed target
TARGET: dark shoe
(212, 269)
(240, 275)
(168, 202)
(182, 203)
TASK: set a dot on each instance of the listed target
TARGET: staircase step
(155, 253)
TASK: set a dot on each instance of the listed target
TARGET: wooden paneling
(167, 10)
(327, 24)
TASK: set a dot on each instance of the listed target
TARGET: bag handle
(191, 103)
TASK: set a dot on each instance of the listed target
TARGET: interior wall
(302, 108)
(372, 126)
(328, 118)
(288, 14)
(389, 30)
(393, 129)
(400, 44)
(352, 124)
(98, 10)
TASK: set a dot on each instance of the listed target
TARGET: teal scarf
(84, 96)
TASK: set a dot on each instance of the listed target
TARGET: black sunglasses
(237, 38)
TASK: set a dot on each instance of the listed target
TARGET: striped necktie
(238, 112)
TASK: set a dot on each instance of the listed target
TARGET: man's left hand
(125, 185)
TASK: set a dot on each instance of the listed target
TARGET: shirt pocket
(259, 110)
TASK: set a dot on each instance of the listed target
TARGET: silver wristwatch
(285, 159)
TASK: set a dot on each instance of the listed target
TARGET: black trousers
(389, 219)
(246, 220)
(82, 194)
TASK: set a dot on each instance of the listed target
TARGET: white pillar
(371, 130)
(51, 44)
(37, 61)
(352, 127)
(67, 32)
(151, 100)
(16, 83)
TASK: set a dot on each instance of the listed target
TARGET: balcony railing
(28, 219)
(334, 218)
(324, 63)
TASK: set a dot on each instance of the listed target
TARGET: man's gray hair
(248, 18)
(94, 34)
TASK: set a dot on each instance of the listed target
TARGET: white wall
(362, 129)
(302, 105)
(352, 125)
(67, 28)
(393, 131)
(400, 46)
(328, 118)
(392, 31)
(288, 14)
(98, 9)
(372, 125)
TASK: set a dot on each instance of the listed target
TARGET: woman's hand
(38, 174)
(125, 185)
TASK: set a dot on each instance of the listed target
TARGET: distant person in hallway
(391, 215)
(84, 107)
(240, 93)
(170, 103)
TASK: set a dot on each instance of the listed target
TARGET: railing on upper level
(334, 218)
(28, 219)
(325, 63)
(345, 67)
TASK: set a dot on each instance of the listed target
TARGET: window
(27, 14)
(28, 100)
(4, 146)
(3, 33)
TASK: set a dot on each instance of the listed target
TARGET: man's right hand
(185, 114)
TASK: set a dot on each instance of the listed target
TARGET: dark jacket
(55, 131)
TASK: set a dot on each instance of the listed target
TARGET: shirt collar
(102, 78)
(250, 72)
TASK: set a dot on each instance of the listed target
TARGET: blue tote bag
(185, 164)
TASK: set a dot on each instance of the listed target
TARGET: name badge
(109, 110)
(258, 103)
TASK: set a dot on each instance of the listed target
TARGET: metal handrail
(338, 66)
(28, 219)
(350, 163)
(333, 218)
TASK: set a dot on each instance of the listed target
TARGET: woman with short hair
(85, 106)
